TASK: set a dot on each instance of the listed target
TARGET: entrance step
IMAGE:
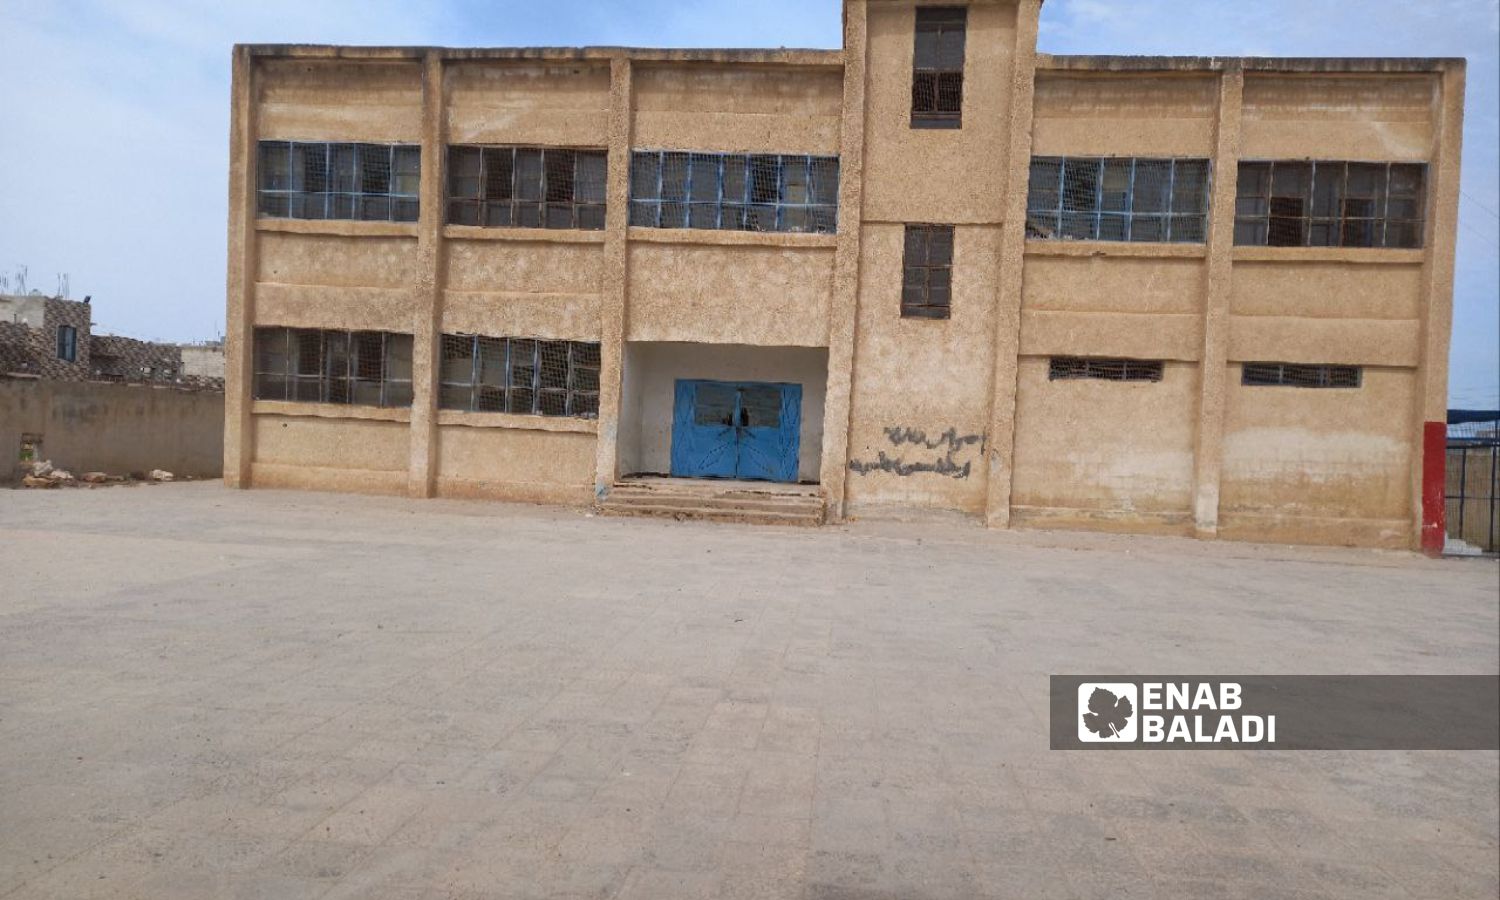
(724, 501)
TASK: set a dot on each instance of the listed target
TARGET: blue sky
(114, 116)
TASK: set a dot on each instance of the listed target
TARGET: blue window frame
(1118, 199)
(67, 343)
(317, 180)
(734, 192)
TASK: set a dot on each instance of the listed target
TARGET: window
(526, 187)
(734, 192)
(371, 182)
(927, 272)
(67, 343)
(937, 78)
(1068, 368)
(310, 365)
(1118, 199)
(1329, 204)
(1294, 375)
(519, 375)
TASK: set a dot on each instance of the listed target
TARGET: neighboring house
(52, 338)
(935, 270)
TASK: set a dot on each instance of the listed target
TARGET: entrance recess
(735, 429)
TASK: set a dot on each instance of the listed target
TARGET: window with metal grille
(1118, 199)
(519, 375)
(1067, 368)
(526, 187)
(1330, 204)
(67, 343)
(927, 272)
(372, 182)
(312, 365)
(937, 78)
(734, 192)
(1263, 374)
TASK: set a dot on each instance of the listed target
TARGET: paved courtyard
(207, 694)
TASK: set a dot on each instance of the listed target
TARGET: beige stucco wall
(1294, 456)
(557, 104)
(1097, 114)
(652, 370)
(534, 288)
(1090, 451)
(731, 108)
(334, 100)
(922, 375)
(1387, 118)
(335, 281)
(515, 464)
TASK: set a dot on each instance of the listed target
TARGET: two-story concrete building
(934, 270)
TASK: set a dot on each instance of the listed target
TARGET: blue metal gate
(736, 429)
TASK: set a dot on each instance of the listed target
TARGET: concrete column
(239, 324)
(1214, 368)
(1001, 438)
(1430, 428)
(844, 303)
(427, 293)
(613, 292)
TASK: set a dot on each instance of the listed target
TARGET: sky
(114, 116)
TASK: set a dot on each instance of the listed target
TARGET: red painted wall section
(1434, 513)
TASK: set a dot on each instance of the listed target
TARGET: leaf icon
(1108, 715)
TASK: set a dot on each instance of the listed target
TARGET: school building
(935, 270)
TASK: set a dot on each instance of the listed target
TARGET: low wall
(114, 428)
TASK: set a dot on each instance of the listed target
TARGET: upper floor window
(734, 192)
(372, 182)
(927, 272)
(937, 78)
(312, 365)
(520, 375)
(1118, 199)
(67, 343)
(1329, 204)
(526, 187)
(1263, 374)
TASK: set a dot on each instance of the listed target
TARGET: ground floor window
(1067, 368)
(312, 365)
(527, 376)
(1263, 374)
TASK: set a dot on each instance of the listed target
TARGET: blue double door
(736, 429)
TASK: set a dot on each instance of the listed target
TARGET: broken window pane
(765, 192)
(314, 180)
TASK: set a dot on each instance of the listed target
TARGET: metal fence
(1472, 494)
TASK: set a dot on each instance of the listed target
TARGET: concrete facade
(958, 414)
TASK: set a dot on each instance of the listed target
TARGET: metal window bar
(1256, 229)
(1472, 498)
(1054, 212)
(535, 376)
(283, 189)
(1068, 368)
(1263, 374)
(766, 209)
(339, 367)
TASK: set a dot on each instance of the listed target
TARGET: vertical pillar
(240, 316)
(1001, 438)
(844, 306)
(1430, 429)
(427, 293)
(615, 288)
(1213, 370)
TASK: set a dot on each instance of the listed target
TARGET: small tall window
(1329, 204)
(734, 192)
(67, 343)
(1118, 199)
(311, 365)
(927, 272)
(937, 78)
(526, 187)
(519, 375)
(1261, 374)
(372, 182)
(1068, 368)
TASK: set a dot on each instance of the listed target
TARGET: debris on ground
(160, 475)
(43, 474)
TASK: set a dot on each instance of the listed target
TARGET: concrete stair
(751, 502)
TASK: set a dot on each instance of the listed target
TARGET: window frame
(1082, 213)
(67, 343)
(333, 366)
(1258, 224)
(926, 268)
(338, 192)
(490, 199)
(931, 78)
(715, 191)
(1316, 376)
(523, 388)
(1105, 368)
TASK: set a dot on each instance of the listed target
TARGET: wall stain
(950, 442)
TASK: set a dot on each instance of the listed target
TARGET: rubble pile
(42, 474)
